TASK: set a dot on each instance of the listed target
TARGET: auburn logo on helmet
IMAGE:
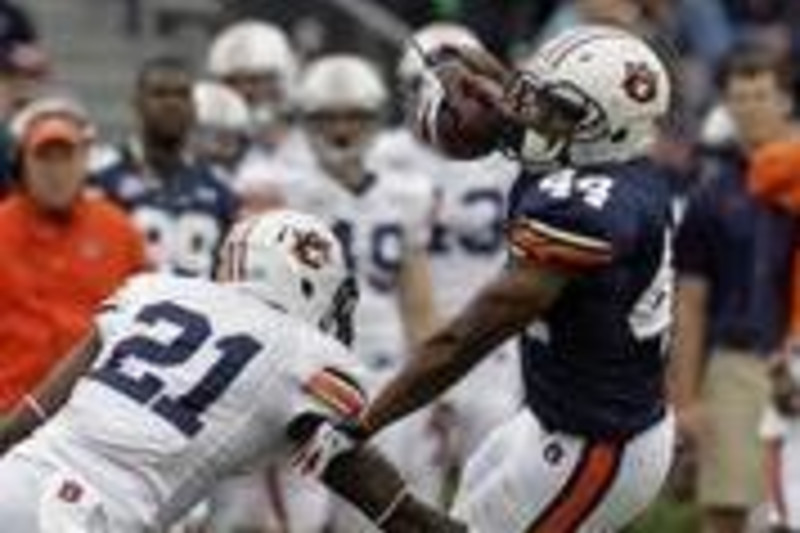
(311, 249)
(640, 82)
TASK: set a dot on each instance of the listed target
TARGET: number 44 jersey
(594, 365)
(195, 382)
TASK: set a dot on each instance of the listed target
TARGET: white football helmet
(341, 81)
(219, 107)
(341, 98)
(621, 82)
(428, 39)
(253, 47)
(223, 127)
(294, 262)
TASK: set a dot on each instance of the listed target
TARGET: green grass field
(668, 516)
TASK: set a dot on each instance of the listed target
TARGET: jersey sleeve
(774, 174)
(334, 390)
(694, 241)
(329, 381)
(571, 223)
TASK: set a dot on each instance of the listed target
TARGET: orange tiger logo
(640, 83)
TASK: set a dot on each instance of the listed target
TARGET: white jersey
(467, 244)
(196, 381)
(379, 225)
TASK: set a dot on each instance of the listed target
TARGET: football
(467, 127)
(459, 115)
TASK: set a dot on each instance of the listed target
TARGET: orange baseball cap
(55, 129)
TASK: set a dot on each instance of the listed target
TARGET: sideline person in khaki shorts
(733, 257)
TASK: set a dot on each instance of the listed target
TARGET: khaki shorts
(735, 394)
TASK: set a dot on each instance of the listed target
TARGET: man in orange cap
(63, 252)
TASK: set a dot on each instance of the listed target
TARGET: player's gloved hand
(459, 79)
(520, 96)
(329, 440)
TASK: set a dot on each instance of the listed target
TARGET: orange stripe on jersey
(336, 391)
(540, 243)
(589, 482)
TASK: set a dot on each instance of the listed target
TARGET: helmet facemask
(339, 320)
(616, 78)
(340, 139)
(292, 262)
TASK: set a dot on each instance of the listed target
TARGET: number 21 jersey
(195, 382)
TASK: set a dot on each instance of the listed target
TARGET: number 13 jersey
(594, 365)
(195, 382)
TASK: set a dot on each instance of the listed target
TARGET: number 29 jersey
(183, 216)
(594, 364)
(195, 382)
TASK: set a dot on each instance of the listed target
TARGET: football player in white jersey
(186, 381)
(466, 248)
(222, 133)
(256, 59)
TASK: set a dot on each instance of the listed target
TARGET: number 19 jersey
(195, 382)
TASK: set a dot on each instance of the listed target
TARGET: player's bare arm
(503, 308)
(363, 477)
(687, 362)
(416, 297)
(40, 404)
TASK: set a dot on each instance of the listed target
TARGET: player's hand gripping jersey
(195, 381)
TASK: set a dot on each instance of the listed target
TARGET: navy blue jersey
(594, 364)
(184, 216)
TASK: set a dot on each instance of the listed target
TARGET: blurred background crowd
(132, 132)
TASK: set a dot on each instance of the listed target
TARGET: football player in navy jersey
(177, 201)
(588, 288)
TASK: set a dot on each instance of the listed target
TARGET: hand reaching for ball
(480, 104)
